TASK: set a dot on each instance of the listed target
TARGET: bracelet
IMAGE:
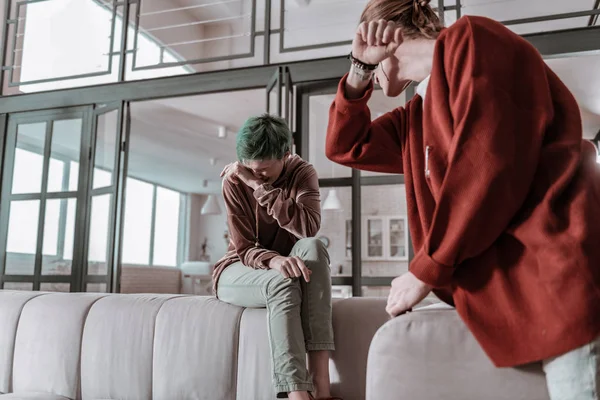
(362, 74)
(362, 65)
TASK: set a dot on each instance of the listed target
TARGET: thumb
(391, 48)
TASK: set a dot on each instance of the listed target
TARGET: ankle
(322, 391)
(298, 396)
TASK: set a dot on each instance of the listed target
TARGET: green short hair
(265, 137)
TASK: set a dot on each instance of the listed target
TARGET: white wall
(376, 200)
(212, 227)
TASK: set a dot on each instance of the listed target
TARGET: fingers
(372, 33)
(381, 27)
(303, 269)
(362, 30)
(224, 172)
(295, 268)
(396, 307)
(388, 33)
(398, 36)
(284, 270)
(229, 168)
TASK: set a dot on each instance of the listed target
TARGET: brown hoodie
(288, 210)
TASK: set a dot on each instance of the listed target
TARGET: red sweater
(504, 210)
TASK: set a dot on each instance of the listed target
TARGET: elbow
(334, 154)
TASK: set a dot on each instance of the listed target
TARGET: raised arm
(354, 141)
(300, 215)
(242, 230)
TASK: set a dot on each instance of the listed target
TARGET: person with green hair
(273, 260)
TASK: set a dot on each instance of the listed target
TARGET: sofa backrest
(145, 279)
(98, 346)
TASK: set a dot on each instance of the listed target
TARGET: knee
(283, 289)
(312, 249)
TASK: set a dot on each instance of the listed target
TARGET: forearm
(297, 217)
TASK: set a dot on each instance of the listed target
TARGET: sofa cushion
(254, 377)
(355, 322)
(11, 305)
(117, 347)
(39, 352)
(430, 354)
(195, 349)
(32, 396)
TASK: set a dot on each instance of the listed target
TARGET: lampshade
(332, 202)
(211, 207)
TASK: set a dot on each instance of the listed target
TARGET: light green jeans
(575, 375)
(299, 313)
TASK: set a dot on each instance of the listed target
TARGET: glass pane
(398, 248)
(21, 242)
(206, 29)
(341, 292)
(106, 139)
(273, 102)
(29, 158)
(58, 39)
(73, 176)
(375, 238)
(96, 287)
(27, 286)
(56, 173)
(318, 118)
(65, 153)
(55, 287)
(166, 227)
(376, 291)
(59, 229)
(138, 222)
(98, 246)
(334, 231)
(387, 204)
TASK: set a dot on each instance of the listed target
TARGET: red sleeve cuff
(343, 104)
(427, 270)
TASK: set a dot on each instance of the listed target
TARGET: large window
(60, 205)
(151, 233)
(59, 40)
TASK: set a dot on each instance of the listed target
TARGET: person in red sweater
(503, 193)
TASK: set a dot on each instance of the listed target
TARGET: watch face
(325, 240)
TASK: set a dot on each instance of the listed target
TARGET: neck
(416, 58)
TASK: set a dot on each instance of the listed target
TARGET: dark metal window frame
(549, 44)
(356, 182)
(48, 117)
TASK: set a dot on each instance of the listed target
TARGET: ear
(287, 155)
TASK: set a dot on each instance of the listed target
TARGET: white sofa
(430, 354)
(171, 347)
(160, 347)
